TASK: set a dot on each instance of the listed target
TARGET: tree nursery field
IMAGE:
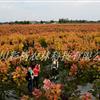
(74, 47)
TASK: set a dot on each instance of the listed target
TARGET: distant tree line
(75, 21)
(17, 22)
(60, 21)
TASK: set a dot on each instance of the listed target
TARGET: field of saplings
(68, 55)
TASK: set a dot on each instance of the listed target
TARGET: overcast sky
(11, 10)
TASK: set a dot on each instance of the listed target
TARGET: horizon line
(52, 19)
(55, 1)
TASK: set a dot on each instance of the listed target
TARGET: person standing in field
(54, 68)
(30, 78)
(36, 71)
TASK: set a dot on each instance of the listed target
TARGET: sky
(12, 10)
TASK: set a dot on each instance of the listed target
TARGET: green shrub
(43, 43)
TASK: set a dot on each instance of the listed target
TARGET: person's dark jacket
(28, 76)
